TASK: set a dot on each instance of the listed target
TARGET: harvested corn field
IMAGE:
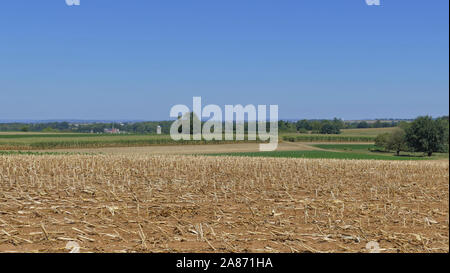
(175, 203)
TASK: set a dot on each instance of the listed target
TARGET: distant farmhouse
(112, 131)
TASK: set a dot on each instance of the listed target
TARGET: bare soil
(174, 203)
(188, 149)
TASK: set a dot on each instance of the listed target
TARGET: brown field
(187, 149)
(176, 203)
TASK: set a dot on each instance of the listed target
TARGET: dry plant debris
(175, 203)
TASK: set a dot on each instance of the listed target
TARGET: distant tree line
(333, 126)
(130, 127)
(147, 127)
(376, 124)
(36, 127)
(424, 134)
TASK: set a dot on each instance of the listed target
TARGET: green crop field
(42, 141)
(40, 153)
(367, 131)
(34, 141)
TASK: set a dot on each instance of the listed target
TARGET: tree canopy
(427, 135)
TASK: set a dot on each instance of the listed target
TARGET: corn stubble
(136, 203)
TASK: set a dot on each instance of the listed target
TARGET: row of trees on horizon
(304, 126)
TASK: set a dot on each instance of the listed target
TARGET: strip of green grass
(322, 154)
(374, 150)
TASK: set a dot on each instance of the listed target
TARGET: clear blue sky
(134, 59)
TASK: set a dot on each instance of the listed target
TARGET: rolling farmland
(148, 193)
(40, 141)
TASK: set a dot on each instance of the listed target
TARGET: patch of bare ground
(187, 149)
(174, 203)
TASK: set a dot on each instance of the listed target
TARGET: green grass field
(343, 151)
(372, 150)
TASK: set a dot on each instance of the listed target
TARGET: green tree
(363, 124)
(303, 124)
(338, 123)
(427, 135)
(397, 142)
(316, 126)
(381, 140)
(286, 126)
(329, 128)
(404, 125)
(444, 122)
(377, 124)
